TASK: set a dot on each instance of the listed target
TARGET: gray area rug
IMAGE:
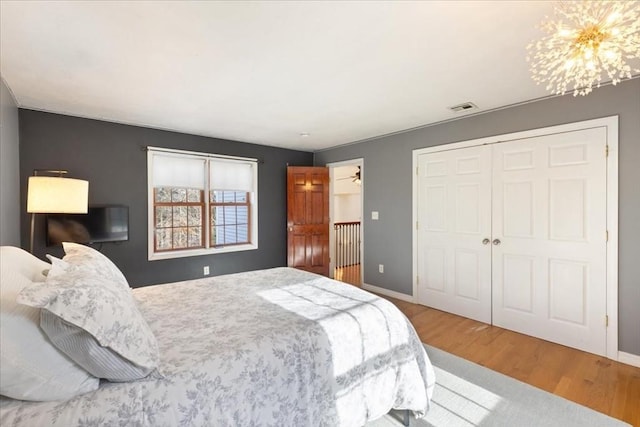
(468, 394)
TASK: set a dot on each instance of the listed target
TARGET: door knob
(486, 241)
(496, 241)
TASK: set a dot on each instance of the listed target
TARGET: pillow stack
(30, 367)
(89, 315)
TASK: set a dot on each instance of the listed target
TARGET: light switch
(374, 215)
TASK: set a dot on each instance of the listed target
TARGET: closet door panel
(549, 216)
(454, 217)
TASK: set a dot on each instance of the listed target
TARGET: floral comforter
(277, 347)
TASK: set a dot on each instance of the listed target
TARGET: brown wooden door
(308, 218)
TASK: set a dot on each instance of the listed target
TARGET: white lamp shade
(47, 194)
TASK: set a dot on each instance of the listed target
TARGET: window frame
(208, 248)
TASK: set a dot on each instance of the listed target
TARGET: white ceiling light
(587, 42)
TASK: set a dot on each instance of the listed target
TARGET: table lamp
(55, 194)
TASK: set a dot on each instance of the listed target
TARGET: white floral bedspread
(277, 347)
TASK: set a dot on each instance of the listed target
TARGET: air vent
(466, 106)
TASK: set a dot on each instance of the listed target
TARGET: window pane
(163, 239)
(178, 195)
(163, 195)
(195, 237)
(230, 215)
(195, 215)
(218, 215)
(179, 216)
(241, 197)
(230, 235)
(193, 195)
(242, 213)
(163, 216)
(218, 235)
(243, 233)
(215, 196)
(179, 238)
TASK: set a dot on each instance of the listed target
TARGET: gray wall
(110, 156)
(9, 169)
(387, 177)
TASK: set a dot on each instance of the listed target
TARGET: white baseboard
(629, 359)
(387, 292)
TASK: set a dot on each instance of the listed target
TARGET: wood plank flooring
(349, 274)
(596, 382)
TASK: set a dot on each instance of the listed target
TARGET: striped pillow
(84, 349)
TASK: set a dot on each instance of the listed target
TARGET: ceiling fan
(354, 178)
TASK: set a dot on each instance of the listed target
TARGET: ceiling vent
(466, 106)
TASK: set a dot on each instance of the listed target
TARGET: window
(178, 218)
(230, 212)
(200, 204)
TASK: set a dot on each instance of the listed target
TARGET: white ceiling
(265, 72)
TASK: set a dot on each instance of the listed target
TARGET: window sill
(197, 252)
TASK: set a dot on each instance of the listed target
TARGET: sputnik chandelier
(588, 42)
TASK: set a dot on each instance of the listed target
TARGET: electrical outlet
(380, 268)
(206, 270)
(375, 215)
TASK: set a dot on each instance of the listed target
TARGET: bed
(275, 347)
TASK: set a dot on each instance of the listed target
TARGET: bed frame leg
(405, 418)
(401, 415)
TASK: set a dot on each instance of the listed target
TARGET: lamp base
(33, 222)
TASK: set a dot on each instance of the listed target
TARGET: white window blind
(174, 171)
(232, 175)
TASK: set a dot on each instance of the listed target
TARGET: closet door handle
(486, 241)
(496, 242)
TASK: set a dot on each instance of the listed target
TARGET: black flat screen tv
(100, 224)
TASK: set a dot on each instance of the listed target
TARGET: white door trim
(353, 162)
(611, 124)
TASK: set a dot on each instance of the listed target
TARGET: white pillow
(90, 306)
(58, 266)
(83, 257)
(31, 368)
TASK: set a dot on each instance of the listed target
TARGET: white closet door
(454, 217)
(549, 216)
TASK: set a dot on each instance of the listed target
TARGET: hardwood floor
(349, 274)
(596, 382)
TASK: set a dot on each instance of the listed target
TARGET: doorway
(345, 230)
